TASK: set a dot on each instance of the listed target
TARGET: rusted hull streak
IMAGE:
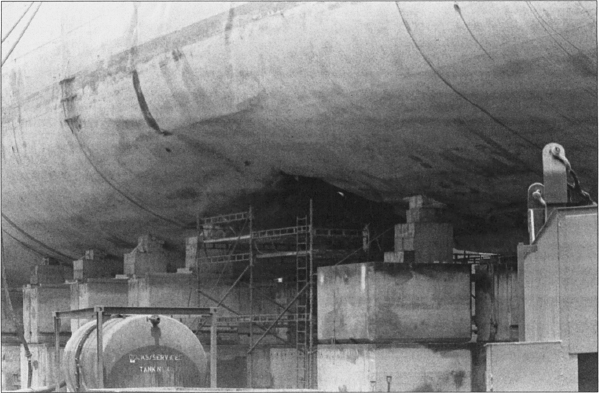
(143, 105)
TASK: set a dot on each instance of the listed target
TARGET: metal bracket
(537, 210)
(555, 174)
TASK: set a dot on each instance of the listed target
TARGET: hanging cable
(17, 22)
(22, 33)
(578, 189)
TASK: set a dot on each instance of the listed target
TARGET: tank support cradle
(99, 312)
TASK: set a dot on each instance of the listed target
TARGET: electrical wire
(17, 22)
(22, 33)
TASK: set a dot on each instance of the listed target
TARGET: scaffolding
(295, 242)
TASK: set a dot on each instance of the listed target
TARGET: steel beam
(213, 345)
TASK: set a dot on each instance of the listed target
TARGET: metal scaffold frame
(299, 311)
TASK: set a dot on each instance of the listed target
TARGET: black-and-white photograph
(299, 196)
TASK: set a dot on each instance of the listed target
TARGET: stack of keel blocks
(148, 257)
(422, 239)
(39, 304)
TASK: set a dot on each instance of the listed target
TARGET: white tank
(137, 353)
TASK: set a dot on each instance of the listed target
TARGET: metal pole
(56, 348)
(267, 298)
(279, 317)
(310, 310)
(213, 357)
(220, 302)
(100, 352)
(237, 313)
(249, 358)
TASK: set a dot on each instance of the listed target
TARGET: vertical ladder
(250, 361)
(310, 353)
(303, 302)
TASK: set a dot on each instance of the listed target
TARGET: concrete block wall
(366, 367)
(11, 367)
(497, 302)
(231, 366)
(283, 368)
(96, 292)
(43, 365)
(165, 290)
(429, 242)
(379, 301)
(559, 281)
(148, 257)
(274, 367)
(530, 366)
(16, 298)
(260, 361)
(39, 304)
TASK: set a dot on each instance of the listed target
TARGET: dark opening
(587, 372)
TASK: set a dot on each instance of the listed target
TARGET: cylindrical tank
(139, 351)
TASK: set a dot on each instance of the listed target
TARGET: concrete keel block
(50, 274)
(424, 214)
(530, 366)
(39, 304)
(391, 257)
(394, 301)
(148, 257)
(11, 367)
(419, 201)
(406, 257)
(165, 290)
(43, 362)
(97, 292)
(412, 368)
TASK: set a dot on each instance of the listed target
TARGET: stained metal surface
(119, 117)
